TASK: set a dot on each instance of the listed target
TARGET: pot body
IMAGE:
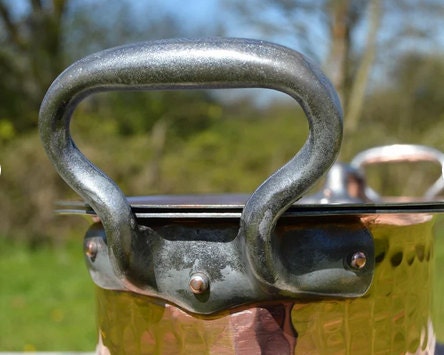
(398, 315)
(260, 285)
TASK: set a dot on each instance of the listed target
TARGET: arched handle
(186, 64)
(397, 153)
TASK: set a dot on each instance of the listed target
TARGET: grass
(46, 300)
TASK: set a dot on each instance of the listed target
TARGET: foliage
(30, 58)
(354, 41)
(137, 112)
(40, 38)
(195, 159)
(29, 188)
(410, 107)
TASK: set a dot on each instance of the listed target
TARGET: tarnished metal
(244, 252)
(312, 251)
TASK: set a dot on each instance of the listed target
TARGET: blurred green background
(385, 58)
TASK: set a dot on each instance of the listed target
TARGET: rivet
(91, 249)
(358, 260)
(199, 283)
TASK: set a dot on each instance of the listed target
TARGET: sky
(206, 14)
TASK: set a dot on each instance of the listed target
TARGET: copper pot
(230, 273)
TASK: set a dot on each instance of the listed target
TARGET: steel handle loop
(185, 64)
(397, 153)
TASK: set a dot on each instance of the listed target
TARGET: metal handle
(185, 64)
(398, 153)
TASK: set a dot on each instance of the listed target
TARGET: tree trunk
(337, 61)
(357, 92)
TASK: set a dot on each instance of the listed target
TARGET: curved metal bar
(185, 64)
(402, 153)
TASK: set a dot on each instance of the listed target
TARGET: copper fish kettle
(343, 271)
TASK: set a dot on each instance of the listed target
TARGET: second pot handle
(397, 153)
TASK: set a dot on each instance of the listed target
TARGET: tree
(411, 106)
(31, 55)
(354, 40)
(323, 29)
(38, 39)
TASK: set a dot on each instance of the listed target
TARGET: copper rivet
(91, 249)
(358, 260)
(199, 283)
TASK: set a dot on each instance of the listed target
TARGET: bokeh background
(385, 58)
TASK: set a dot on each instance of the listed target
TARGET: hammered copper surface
(130, 324)
(393, 318)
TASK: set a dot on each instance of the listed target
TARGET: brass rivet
(91, 249)
(358, 260)
(199, 283)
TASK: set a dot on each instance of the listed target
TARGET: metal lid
(230, 206)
